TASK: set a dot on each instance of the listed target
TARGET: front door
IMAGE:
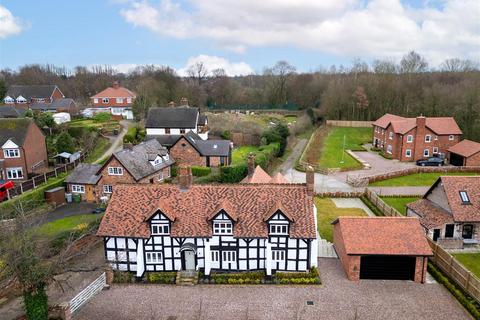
(436, 234)
(189, 259)
(449, 228)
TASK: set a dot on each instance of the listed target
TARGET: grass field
(327, 211)
(240, 154)
(418, 179)
(332, 150)
(471, 261)
(54, 228)
(399, 203)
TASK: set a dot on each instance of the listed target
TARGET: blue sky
(168, 32)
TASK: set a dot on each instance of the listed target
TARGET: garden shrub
(312, 277)
(102, 117)
(227, 135)
(36, 304)
(122, 277)
(279, 134)
(201, 171)
(254, 277)
(233, 174)
(131, 135)
(161, 277)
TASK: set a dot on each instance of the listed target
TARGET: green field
(240, 154)
(332, 149)
(54, 228)
(399, 203)
(471, 261)
(327, 211)
(418, 179)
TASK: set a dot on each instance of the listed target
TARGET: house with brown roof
(412, 139)
(464, 153)
(116, 99)
(218, 227)
(450, 211)
(391, 248)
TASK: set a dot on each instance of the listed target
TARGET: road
(118, 142)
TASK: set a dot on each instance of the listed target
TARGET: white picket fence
(86, 294)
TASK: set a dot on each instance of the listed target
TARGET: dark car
(98, 210)
(430, 162)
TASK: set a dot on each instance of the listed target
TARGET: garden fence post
(467, 283)
(33, 182)
(45, 177)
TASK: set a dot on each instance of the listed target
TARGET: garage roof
(383, 236)
(465, 148)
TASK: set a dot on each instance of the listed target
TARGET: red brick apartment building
(411, 139)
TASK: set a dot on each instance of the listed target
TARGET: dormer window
(222, 228)
(9, 99)
(278, 229)
(21, 99)
(161, 229)
(11, 153)
(464, 197)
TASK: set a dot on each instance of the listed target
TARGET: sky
(241, 36)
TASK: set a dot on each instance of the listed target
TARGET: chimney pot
(310, 176)
(185, 177)
(115, 84)
(251, 164)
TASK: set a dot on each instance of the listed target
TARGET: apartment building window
(409, 138)
(160, 229)
(278, 255)
(115, 171)
(435, 150)
(105, 100)
(78, 188)
(390, 135)
(160, 176)
(222, 228)
(229, 256)
(119, 100)
(426, 153)
(154, 257)
(408, 153)
(107, 189)
(428, 138)
(451, 137)
(278, 229)
(14, 173)
(11, 153)
(435, 137)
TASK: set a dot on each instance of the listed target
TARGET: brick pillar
(185, 177)
(251, 164)
(109, 276)
(420, 138)
(310, 175)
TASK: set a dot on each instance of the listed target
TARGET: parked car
(98, 210)
(4, 186)
(430, 162)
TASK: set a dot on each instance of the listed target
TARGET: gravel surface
(338, 298)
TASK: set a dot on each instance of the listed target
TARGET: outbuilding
(390, 248)
(464, 153)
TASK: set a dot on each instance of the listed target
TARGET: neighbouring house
(155, 228)
(168, 124)
(258, 175)
(390, 248)
(23, 96)
(83, 181)
(67, 105)
(11, 112)
(464, 153)
(450, 211)
(115, 99)
(24, 150)
(412, 139)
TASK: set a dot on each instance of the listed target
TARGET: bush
(102, 117)
(131, 135)
(233, 174)
(277, 134)
(161, 277)
(65, 143)
(255, 277)
(36, 304)
(458, 293)
(122, 277)
(201, 171)
(227, 135)
(312, 277)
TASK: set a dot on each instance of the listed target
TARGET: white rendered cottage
(210, 227)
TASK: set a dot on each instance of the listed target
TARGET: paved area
(400, 191)
(117, 142)
(323, 183)
(290, 161)
(352, 203)
(338, 298)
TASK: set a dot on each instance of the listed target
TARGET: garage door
(387, 267)
(456, 160)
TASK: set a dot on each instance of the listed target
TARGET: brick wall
(183, 152)
(56, 94)
(35, 148)
(420, 269)
(351, 264)
(473, 160)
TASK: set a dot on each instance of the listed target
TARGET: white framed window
(409, 138)
(278, 229)
(160, 176)
(390, 135)
(107, 189)
(464, 197)
(153, 257)
(229, 256)
(389, 149)
(129, 100)
(157, 161)
(383, 131)
(21, 99)
(14, 173)
(426, 153)
(119, 100)
(451, 137)
(95, 100)
(435, 137)
(215, 255)
(9, 99)
(115, 171)
(78, 188)
(105, 100)
(435, 150)
(11, 153)
(428, 138)
(408, 153)
(278, 255)
(161, 229)
(222, 228)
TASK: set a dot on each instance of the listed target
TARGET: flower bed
(161, 277)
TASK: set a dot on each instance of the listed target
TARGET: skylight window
(464, 197)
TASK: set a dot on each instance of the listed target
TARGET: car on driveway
(430, 162)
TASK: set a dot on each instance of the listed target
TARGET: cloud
(350, 28)
(9, 25)
(213, 62)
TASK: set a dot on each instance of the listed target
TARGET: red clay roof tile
(439, 125)
(431, 215)
(471, 185)
(465, 148)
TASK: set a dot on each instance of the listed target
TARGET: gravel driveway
(337, 299)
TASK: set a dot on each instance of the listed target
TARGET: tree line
(360, 91)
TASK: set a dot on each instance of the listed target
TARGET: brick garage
(390, 248)
(464, 153)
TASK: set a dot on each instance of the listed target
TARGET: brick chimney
(184, 101)
(310, 180)
(171, 104)
(251, 164)
(420, 137)
(185, 177)
(115, 85)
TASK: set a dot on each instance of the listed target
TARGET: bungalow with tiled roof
(464, 153)
(221, 227)
(115, 99)
(450, 211)
(412, 139)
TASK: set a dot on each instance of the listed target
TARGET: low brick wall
(409, 171)
(455, 243)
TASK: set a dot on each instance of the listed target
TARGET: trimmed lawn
(240, 154)
(327, 211)
(332, 150)
(471, 261)
(54, 228)
(400, 203)
(418, 179)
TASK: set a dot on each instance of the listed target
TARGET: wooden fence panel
(86, 294)
(381, 205)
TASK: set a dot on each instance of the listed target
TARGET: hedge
(312, 277)
(233, 174)
(161, 277)
(255, 277)
(122, 277)
(201, 171)
(131, 135)
(36, 304)
(464, 299)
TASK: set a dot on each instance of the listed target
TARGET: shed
(61, 117)
(464, 153)
(390, 248)
(55, 196)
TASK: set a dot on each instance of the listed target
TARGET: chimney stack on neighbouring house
(115, 85)
(251, 164)
(420, 138)
(171, 104)
(185, 177)
(184, 101)
(310, 180)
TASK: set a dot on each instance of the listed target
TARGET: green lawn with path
(102, 145)
(332, 149)
(327, 211)
(54, 228)
(471, 261)
(399, 203)
(240, 154)
(418, 179)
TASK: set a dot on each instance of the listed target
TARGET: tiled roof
(431, 215)
(31, 91)
(132, 205)
(465, 148)
(10, 112)
(383, 235)
(14, 129)
(84, 173)
(260, 176)
(172, 117)
(56, 104)
(439, 125)
(471, 185)
(111, 92)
